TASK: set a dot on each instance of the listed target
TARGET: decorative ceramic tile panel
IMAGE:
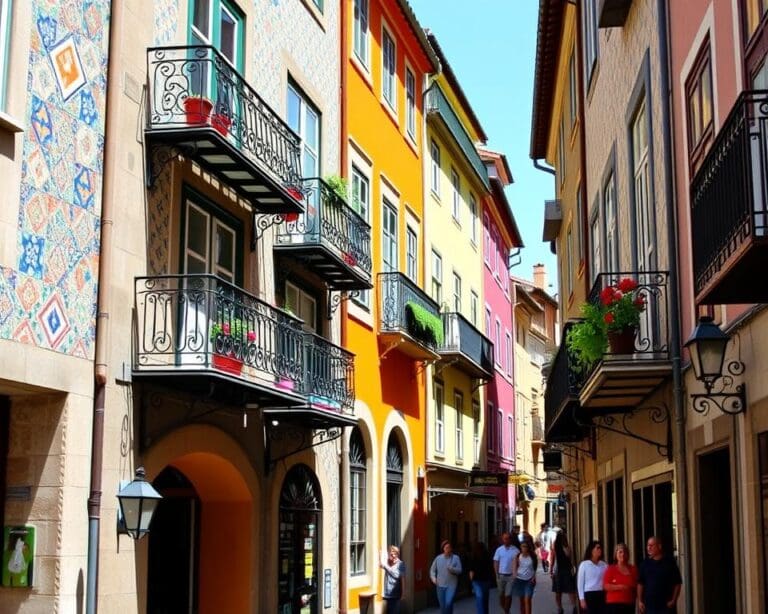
(49, 300)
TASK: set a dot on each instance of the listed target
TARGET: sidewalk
(543, 600)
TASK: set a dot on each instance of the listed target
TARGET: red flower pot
(197, 109)
(622, 341)
(291, 217)
(295, 193)
(350, 259)
(221, 123)
(228, 364)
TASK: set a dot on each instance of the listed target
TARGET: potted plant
(197, 109)
(611, 323)
(338, 184)
(221, 123)
(423, 324)
(228, 347)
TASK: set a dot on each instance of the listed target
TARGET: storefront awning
(519, 479)
(436, 491)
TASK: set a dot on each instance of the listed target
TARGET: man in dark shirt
(659, 582)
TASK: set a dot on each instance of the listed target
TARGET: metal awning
(436, 491)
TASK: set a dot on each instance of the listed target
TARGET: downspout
(547, 169)
(343, 599)
(101, 342)
(679, 452)
(584, 221)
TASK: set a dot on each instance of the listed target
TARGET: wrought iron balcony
(561, 397)
(329, 237)
(729, 208)
(409, 319)
(201, 333)
(438, 107)
(626, 376)
(329, 375)
(468, 347)
(201, 107)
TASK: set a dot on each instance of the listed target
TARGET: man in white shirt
(505, 566)
(544, 538)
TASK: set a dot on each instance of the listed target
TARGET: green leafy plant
(423, 324)
(234, 328)
(587, 340)
(338, 184)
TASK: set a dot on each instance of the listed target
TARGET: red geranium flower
(225, 328)
(606, 296)
(608, 318)
(627, 284)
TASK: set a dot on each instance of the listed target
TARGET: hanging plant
(423, 324)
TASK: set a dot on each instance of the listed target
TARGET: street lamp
(707, 346)
(138, 501)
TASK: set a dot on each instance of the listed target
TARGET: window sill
(390, 111)
(435, 196)
(10, 124)
(361, 68)
(411, 143)
(456, 222)
(360, 314)
(359, 580)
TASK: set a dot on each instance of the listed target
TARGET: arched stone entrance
(199, 554)
(298, 542)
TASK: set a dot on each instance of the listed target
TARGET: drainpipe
(538, 165)
(343, 600)
(679, 452)
(102, 312)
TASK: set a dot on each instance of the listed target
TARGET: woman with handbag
(563, 572)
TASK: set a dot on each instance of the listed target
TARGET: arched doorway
(394, 490)
(299, 539)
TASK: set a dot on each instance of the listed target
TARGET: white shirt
(525, 570)
(506, 558)
(590, 577)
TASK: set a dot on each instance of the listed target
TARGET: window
(495, 251)
(473, 301)
(473, 218)
(488, 321)
(411, 254)
(486, 239)
(476, 430)
(5, 30)
(388, 69)
(611, 503)
(652, 510)
(511, 429)
(698, 93)
(360, 34)
(497, 345)
(569, 262)
(579, 220)
(491, 420)
(458, 402)
(217, 23)
(561, 151)
(361, 202)
(304, 118)
(572, 93)
(456, 293)
(302, 304)
(611, 230)
(435, 177)
(594, 239)
(410, 104)
(753, 15)
(210, 243)
(591, 44)
(508, 352)
(646, 240)
(456, 183)
(389, 238)
(439, 419)
(437, 278)
(318, 4)
(357, 524)
(500, 431)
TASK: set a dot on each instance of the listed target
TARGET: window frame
(360, 35)
(474, 303)
(361, 511)
(475, 430)
(436, 288)
(473, 218)
(456, 292)
(508, 350)
(491, 409)
(434, 151)
(362, 298)
(456, 196)
(411, 256)
(591, 40)
(306, 105)
(572, 89)
(611, 222)
(699, 137)
(213, 36)
(388, 208)
(410, 103)
(387, 76)
(458, 402)
(438, 395)
(486, 239)
(500, 431)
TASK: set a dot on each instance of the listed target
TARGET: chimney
(539, 276)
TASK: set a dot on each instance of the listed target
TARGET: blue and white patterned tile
(31, 257)
(53, 320)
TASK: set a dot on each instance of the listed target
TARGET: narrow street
(543, 600)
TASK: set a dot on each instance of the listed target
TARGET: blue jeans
(445, 595)
(481, 589)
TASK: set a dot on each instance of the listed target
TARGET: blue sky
(491, 46)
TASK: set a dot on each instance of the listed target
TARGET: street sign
(488, 478)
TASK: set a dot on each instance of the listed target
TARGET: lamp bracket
(479, 384)
(263, 221)
(300, 438)
(159, 155)
(723, 393)
(658, 414)
(335, 298)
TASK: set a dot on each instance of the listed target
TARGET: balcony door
(303, 305)
(210, 243)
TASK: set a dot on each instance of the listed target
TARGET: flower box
(228, 364)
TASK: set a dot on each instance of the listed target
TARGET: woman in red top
(620, 583)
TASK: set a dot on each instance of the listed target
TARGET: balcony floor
(406, 344)
(733, 280)
(460, 361)
(326, 264)
(623, 383)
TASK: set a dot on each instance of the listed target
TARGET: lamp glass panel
(711, 355)
(130, 508)
(147, 510)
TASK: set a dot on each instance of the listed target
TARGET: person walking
(620, 583)
(394, 574)
(504, 564)
(563, 572)
(544, 545)
(659, 581)
(481, 575)
(525, 577)
(444, 573)
(589, 580)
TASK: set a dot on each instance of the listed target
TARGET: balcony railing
(437, 104)
(729, 208)
(402, 302)
(474, 349)
(330, 236)
(198, 100)
(192, 324)
(561, 397)
(329, 375)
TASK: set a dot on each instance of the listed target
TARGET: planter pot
(221, 123)
(291, 217)
(622, 341)
(228, 364)
(197, 109)
(296, 194)
(286, 384)
(350, 259)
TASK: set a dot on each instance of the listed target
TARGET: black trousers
(595, 602)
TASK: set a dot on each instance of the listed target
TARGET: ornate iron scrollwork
(335, 298)
(160, 155)
(723, 394)
(302, 437)
(262, 222)
(621, 424)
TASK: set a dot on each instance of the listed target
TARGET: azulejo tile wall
(49, 299)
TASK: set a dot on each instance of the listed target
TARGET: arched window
(357, 498)
(394, 490)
